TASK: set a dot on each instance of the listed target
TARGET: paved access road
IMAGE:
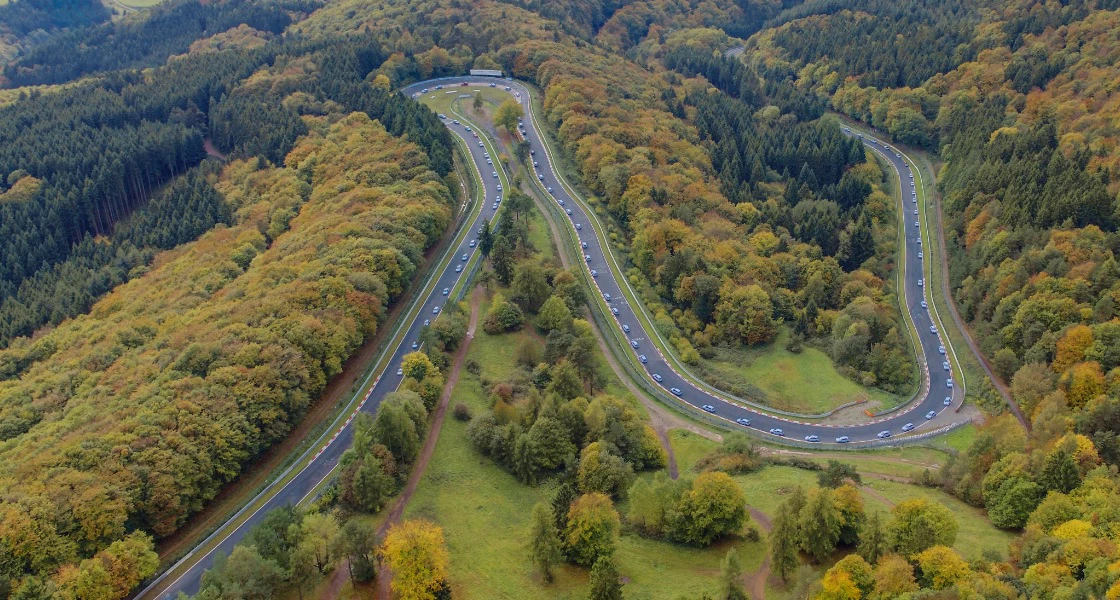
(324, 456)
(668, 374)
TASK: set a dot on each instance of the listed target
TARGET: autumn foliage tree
(414, 550)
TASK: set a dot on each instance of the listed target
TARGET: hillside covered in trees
(1016, 111)
(177, 379)
(738, 205)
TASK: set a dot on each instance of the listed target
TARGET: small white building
(486, 73)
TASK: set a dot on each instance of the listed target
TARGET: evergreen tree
(1060, 472)
(859, 244)
(501, 258)
(784, 541)
(486, 238)
(731, 578)
(544, 540)
(562, 502)
(873, 539)
(605, 584)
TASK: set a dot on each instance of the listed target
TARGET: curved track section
(930, 410)
(312, 469)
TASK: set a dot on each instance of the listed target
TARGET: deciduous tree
(820, 524)
(508, 113)
(592, 529)
(415, 552)
(918, 524)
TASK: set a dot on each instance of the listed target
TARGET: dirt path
(208, 146)
(845, 457)
(255, 475)
(961, 326)
(756, 582)
(874, 494)
(339, 576)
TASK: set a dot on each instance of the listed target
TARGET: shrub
(461, 412)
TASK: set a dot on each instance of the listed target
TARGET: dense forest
(819, 217)
(81, 159)
(25, 23)
(1010, 99)
(739, 204)
(206, 360)
(169, 29)
(1029, 186)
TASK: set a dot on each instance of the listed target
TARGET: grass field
(769, 487)
(484, 512)
(805, 382)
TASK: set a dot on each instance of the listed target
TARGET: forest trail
(756, 582)
(384, 576)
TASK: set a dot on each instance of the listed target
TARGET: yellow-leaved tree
(414, 550)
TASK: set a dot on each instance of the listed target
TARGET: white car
(921, 282)
(924, 304)
(657, 378)
(743, 422)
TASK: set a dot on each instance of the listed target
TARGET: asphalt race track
(936, 378)
(324, 457)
